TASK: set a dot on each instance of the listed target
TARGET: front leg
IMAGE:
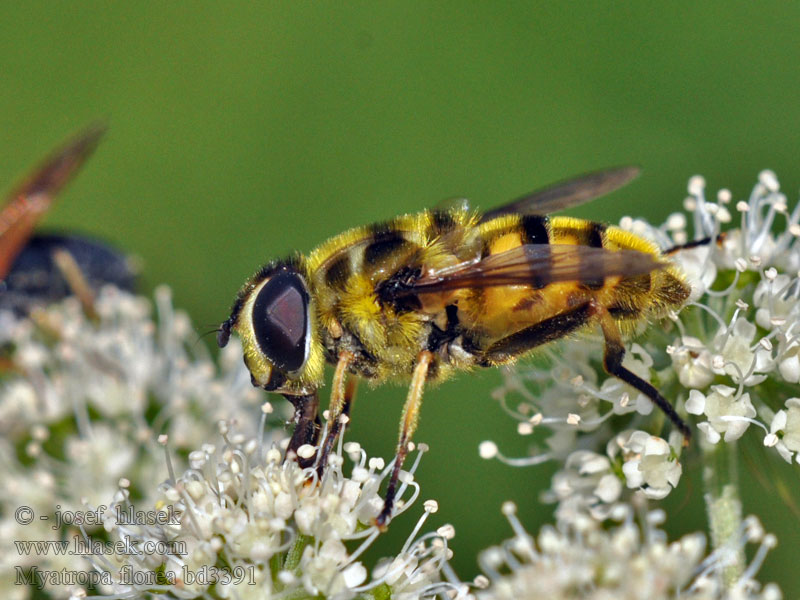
(307, 426)
(341, 396)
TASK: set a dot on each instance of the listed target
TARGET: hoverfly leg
(336, 429)
(339, 405)
(546, 331)
(612, 362)
(349, 395)
(689, 245)
(307, 426)
(72, 274)
(408, 425)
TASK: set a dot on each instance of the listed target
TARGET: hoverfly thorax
(273, 317)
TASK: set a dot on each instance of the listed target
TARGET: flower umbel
(81, 407)
(81, 404)
(723, 358)
(731, 358)
(624, 559)
(247, 524)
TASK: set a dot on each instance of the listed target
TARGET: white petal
(633, 474)
(778, 422)
(711, 434)
(354, 575)
(789, 368)
(656, 446)
(609, 488)
(696, 403)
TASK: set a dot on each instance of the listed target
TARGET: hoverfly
(422, 296)
(36, 268)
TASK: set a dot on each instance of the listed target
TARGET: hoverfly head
(273, 318)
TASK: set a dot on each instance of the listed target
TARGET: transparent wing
(566, 194)
(32, 198)
(533, 264)
(453, 205)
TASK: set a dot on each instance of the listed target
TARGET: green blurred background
(241, 132)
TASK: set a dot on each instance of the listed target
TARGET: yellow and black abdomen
(647, 296)
(495, 313)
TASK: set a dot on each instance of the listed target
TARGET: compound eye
(280, 321)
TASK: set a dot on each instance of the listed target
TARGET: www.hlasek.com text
(80, 546)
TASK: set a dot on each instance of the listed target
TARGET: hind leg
(612, 362)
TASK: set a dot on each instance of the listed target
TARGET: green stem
(724, 508)
(296, 552)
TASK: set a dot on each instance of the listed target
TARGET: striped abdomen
(497, 312)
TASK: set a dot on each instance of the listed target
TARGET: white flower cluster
(570, 390)
(741, 327)
(246, 524)
(583, 558)
(81, 404)
(749, 329)
(590, 483)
